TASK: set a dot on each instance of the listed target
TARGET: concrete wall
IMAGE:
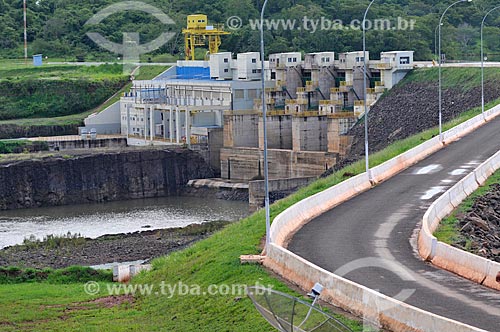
(256, 189)
(88, 144)
(310, 133)
(468, 265)
(341, 292)
(241, 129)
(279, 132)
(210, 151)
(247, 163)
(106, 122)
(337, 141)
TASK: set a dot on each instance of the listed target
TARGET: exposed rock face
(98, 177)
(408, 109)
(412, 108)
(482, 225)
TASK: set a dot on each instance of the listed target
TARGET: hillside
(54, 100)
(412, 106)
(56, 27)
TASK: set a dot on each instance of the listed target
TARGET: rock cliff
(98, 177)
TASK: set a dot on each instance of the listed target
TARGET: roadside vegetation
(213, 261)
(449, 230)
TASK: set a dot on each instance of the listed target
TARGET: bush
(73, 274)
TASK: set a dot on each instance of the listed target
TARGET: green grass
(19, 146)
(70, 275)
(448, 230)
(146, 72)
(465, 78)
(213, 261)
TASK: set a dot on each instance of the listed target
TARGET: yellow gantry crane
(198, 32)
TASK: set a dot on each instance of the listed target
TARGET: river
(94, 220)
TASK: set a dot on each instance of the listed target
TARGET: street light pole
(264, 125)
(436, 40)
(482, 61)
(367, 161)
(440, 60)
(25, 34)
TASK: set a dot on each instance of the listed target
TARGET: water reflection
(94, 220)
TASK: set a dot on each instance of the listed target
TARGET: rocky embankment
(64, 252)
(408, 109)
(480, 227)
(412, 108)
(97, 177)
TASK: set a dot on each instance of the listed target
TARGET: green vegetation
(70, 73)
(469, 78)
(213, 261)
(70, 275)
(56, 91)
(56, 28)
(19, 146)
(448, 231)
(54, 241)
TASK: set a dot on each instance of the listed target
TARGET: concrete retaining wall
(353, 297)
(360, 300)
(470, 266)
(256, 189)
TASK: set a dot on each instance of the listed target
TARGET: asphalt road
(374, 235)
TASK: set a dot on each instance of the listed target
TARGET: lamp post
(264, 126)
(440, 60)
(482, 61)
(367, 162)
(25, 34)
(436, 40)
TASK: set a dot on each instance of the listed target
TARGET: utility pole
(25, 35)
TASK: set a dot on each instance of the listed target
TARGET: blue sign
(37, 60)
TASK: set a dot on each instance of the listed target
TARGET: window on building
(294, 59)
(254, 60)
(252, 93)
(289, 59)
(404, 60)
(226, 70)
(327, 59)
(357, 59)
(239, 94)
(226, 60)
(273, 75)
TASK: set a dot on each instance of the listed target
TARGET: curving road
(383, 223)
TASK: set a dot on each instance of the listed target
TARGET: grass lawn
(213, 261)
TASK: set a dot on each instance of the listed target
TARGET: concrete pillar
(188, 127)
(128, 119)
(177, 125)
(144, 114)
(164, 115)
(151, 123)
(171, 125)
